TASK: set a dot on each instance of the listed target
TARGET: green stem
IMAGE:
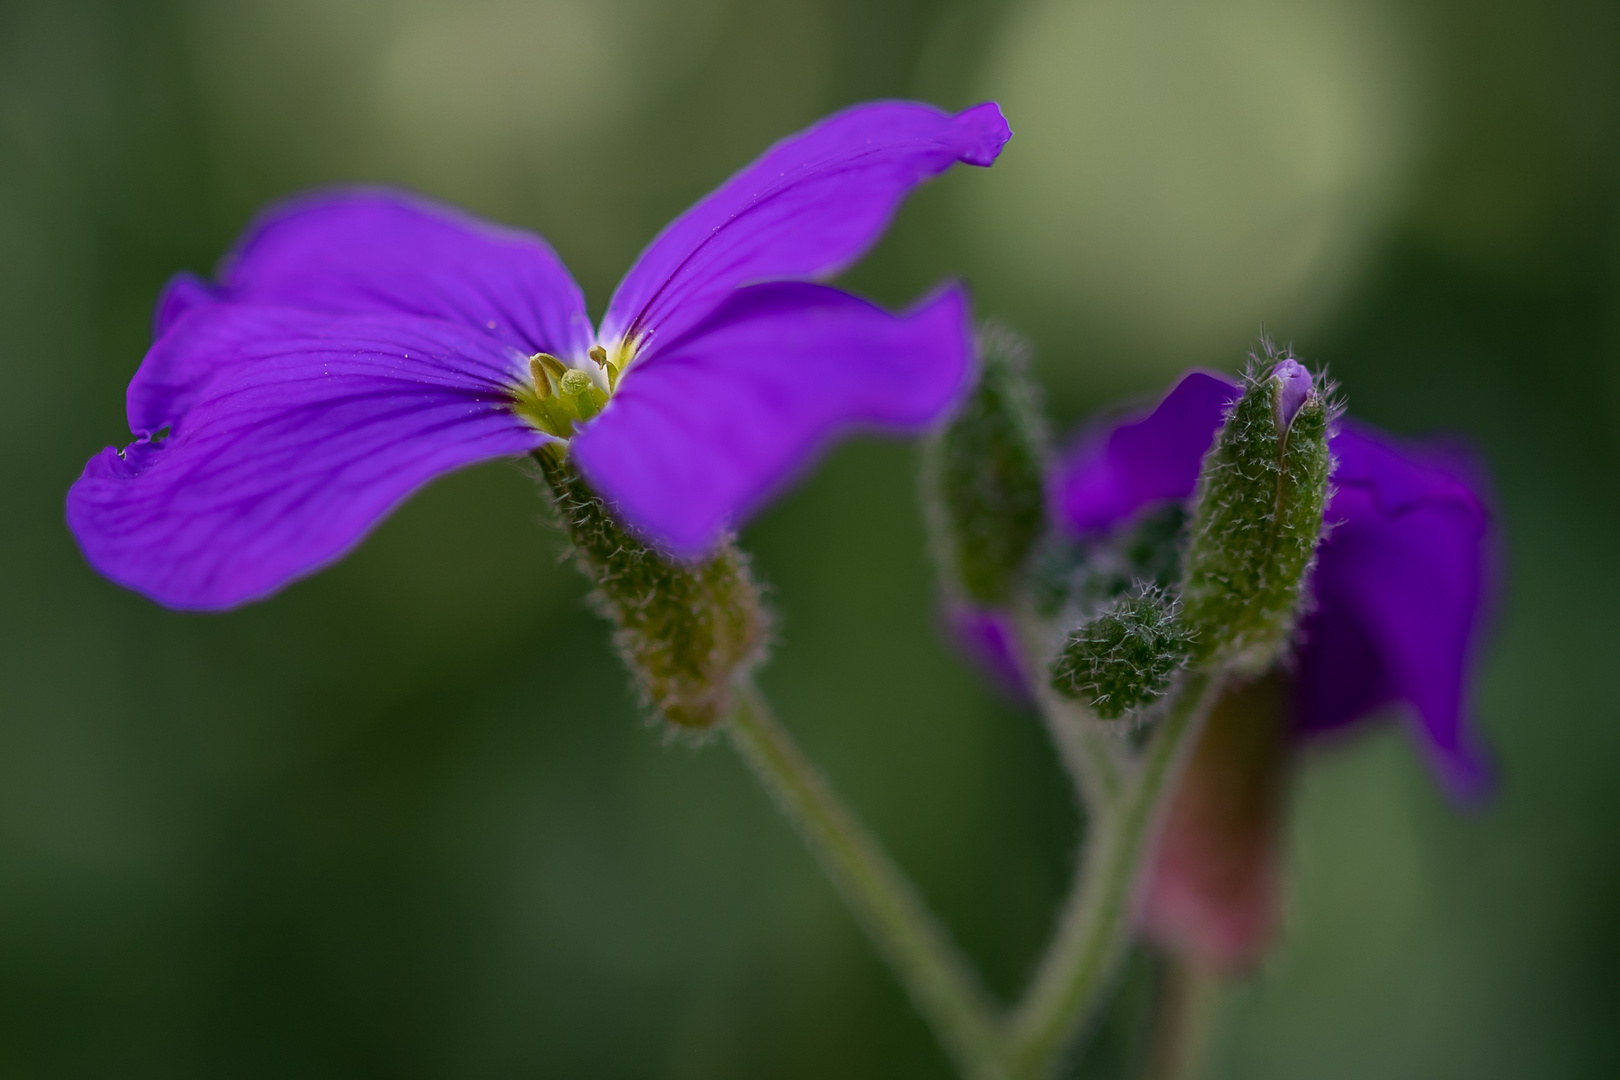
(1093, 760)
(1184, 1022)
(1094, 932)
(918, 948)
(1095, 929)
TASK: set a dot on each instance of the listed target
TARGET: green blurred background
(403, 820)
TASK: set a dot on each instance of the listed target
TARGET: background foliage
(403, 821)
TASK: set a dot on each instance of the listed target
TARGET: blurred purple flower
(360, 343)
(1402, 578)
(990, 637)
(1400, 591)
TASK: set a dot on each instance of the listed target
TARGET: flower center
(558, 396)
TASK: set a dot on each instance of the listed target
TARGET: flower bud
(1085, 575)
(1257, 517)
(983, 477)
(686, 631)
(1124, 658)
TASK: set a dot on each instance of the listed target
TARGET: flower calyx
(1083, 575)
(1124, 658)
(1257, 517)
(983, 478)
(686, 631)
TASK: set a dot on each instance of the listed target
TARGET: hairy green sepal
(983, 477)
(1124, 658)
(1083, 576)
(1256, 521)
(686, 631)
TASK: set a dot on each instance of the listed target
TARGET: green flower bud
(1257, 518)
(1085, 575)
(983, 477)
(1124, 658)
(686, 631)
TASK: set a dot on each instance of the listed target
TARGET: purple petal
(990, 640)
(701, 434)
(377, 252)
(806, 209)
(1296, 387)
(1118, 469)
(290, 435)
(1401, 585)
(183, 292)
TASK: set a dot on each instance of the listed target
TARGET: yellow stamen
(537, 373)
(555, 366)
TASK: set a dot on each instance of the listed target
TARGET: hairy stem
(940, 982)
(1094, 931)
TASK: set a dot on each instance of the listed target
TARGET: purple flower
(360, 343)
(1399, 590)
(1402, 578)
